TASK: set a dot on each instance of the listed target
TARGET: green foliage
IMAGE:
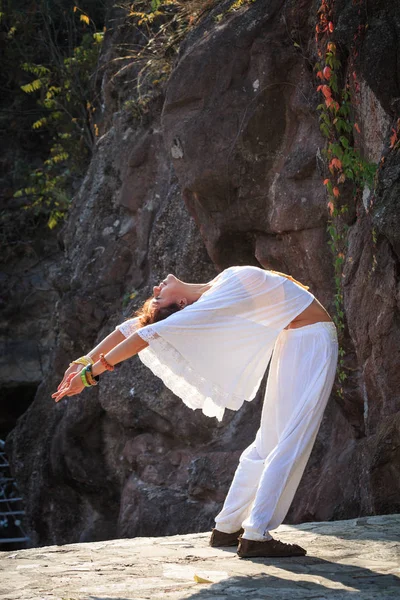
(239, 4)
(128, 297)
(56, 50)
(67, 98)
(234, 7)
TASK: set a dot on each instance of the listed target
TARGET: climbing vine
(348, 174)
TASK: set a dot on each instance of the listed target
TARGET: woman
(212, 351)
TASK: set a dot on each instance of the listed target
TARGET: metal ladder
(10, 504)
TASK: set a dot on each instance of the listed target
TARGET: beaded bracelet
(105, 363)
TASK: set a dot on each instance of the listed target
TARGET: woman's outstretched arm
(127, 348)
(109, 342)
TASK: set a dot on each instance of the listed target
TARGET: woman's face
(167, 292)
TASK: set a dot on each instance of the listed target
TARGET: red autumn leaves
(325, 75)
(327, 72)
(327, 92)
(324, 25)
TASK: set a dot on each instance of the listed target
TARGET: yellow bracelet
(82, 360)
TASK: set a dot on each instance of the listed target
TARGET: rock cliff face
(225, 169)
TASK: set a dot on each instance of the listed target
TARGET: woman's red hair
(150, 313)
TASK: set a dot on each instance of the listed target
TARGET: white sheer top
(214, 353)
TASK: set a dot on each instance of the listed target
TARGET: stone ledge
(358, 558)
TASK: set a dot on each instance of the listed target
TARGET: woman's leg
(242, 491)
(300, 380)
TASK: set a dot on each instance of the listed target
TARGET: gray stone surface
(358, 558)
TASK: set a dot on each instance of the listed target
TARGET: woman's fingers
(62, 391)
(69, 373)
(61, 384)
(58, 395)
(71, 387)
(66, 381)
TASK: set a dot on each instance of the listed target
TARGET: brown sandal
(220, 539)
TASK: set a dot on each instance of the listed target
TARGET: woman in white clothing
(211, 344)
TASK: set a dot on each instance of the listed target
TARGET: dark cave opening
(14, 401)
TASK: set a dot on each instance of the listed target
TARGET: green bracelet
(90, 378)
(83, 377)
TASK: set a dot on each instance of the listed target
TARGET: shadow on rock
(299, 577)
(302, 577)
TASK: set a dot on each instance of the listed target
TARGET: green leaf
(52, 222)
(31, 87)
(155, 4)
(98, 37)
(334, 84)
(324, 129)
(38, 70)
(39, 123)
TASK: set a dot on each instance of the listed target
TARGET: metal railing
(11, 507)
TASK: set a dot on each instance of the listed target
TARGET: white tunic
(214, 353)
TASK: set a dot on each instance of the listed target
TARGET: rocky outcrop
(225, 169)
(27, 325)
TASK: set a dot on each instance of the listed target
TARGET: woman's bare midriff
(315, 313)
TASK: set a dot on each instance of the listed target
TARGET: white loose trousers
(300, 380)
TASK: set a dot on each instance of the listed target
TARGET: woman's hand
(72, 370)
(73, 385)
